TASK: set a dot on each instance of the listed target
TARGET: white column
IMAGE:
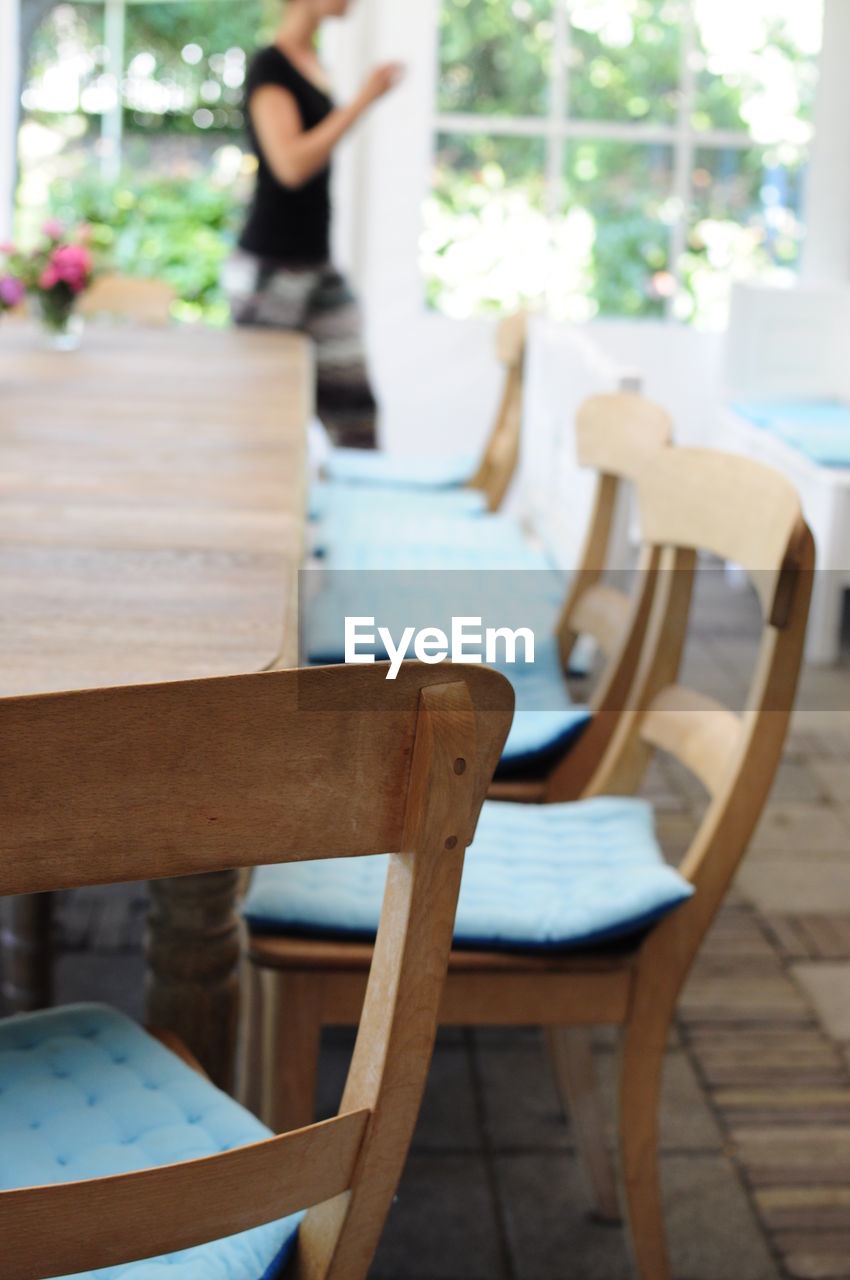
(826, 258)
(400, 148)
(348, 52)
(8, 111)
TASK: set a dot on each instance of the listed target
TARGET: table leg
(26, 952)
(193, 949)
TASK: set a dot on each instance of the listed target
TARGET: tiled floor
(756, 1108)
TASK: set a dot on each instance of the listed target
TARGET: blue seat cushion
(546, 721)
(331, 500)
(350, 541)
(85, 1093)
(351, 536)
(820, 429)
(474, 552)
(537, 877)
(426, 596)
(363, 466)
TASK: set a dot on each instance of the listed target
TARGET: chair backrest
(134, 298)
(615, 435)
(699, 500)
(164, 780)
(501, 454)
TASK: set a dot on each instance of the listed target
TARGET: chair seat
(426, 588)
(351, 539)
(85, 1093)
(542, 877)
(474, 553)
(820, 429)
(546, 721)
(363, 466)
(331, 501)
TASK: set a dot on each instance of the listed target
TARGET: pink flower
(11, 291)
(71, 264)
(53, 229)
(48, 279)
(7, 249)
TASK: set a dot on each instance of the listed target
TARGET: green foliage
(170, 228)
(164, 91)
(609, 204)
(607, 237)
(624, 60)
(624, 187)
(214, 30)
(495, 56)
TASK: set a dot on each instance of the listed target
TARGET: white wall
(8, 110)
(826, 258)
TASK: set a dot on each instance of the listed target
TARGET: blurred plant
(172, 213)
(175, 229)
(184, 64)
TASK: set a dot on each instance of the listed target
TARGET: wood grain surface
(151, 504)
(151, 523)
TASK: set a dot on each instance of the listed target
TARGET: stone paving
(756, 1101)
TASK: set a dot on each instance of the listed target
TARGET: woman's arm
(295, 154)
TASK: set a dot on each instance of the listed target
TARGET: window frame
(557, 127)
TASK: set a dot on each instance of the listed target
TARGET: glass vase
(61, 326)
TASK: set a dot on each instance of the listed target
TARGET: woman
(281, 274)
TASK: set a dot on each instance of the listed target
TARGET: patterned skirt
(316, 301)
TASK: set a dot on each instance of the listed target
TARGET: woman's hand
(379, 81)
(294, 154)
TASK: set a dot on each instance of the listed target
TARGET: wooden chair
(501, 453)
(498, 463)
(691, 500)
(131, 298)
(165, 780)
(616, 434)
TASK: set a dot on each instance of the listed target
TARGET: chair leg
(291, 1028)
(641, 1066)
(571, 1053)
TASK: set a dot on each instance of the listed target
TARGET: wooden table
(151, 517)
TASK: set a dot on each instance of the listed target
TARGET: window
(153, 156)
(617, 157)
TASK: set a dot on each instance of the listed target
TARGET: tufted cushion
(820, 429)
(475, 554)
(329, 500)
(85, 1092)
(424, 597)
(363, 466)
(350, 541)
(537, 877)
(546, 722)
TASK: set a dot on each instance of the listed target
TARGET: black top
(289, 224)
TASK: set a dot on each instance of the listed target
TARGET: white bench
(825, 495)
